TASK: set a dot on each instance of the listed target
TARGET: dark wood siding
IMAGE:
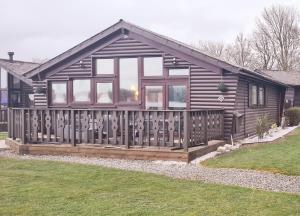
(250, 115)
(40, 99)
(297, 96)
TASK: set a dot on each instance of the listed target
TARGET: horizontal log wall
(297, 96)
(250, 115)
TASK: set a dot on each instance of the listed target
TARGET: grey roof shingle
(18, 68)
(288, 77)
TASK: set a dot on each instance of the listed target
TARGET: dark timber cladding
(206, 73)
(250, 115)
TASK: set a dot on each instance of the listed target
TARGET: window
(154, 97)
(256, 95)
(129, 80)
(105, 93)
(3, 78)
(15, 98)
(177, 96)
(59, 93)
(153, 66)
(179, 72)
(104, 66)
(81, 90)
(16, 83)
(253, 95)
(4, 98)
(261, 96)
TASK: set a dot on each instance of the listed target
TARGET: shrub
(293, 115)
(262, 126)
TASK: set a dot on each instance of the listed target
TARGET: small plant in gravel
(262, 126)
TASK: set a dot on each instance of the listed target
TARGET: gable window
(177, 96)
(154, 97)
(129, 90)
(179, 71)
(81, 90)
(58, 92)
(104, 66)
(104, 92)
(153, 66)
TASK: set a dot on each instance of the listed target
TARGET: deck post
(22, 126)
(73, 128)
(186, 130)
(205, 127)
(8, 123)
(126, 130)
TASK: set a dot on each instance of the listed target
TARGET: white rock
(221, 149)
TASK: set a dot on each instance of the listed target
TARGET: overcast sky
(45, 28)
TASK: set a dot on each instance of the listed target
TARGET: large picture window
(154, 97)
(177, 96)
(129, 89)
(179, 72)
(104, 92)
(153, 66)
(59, 92)
(3, 78)
(104, 66)
(81, 90)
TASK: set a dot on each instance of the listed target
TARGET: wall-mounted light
(81, 64)
(174, 60)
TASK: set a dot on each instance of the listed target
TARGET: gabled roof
(288, 77)
(123, 26)
(18, 68)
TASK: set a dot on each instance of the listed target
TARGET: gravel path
(239, 177)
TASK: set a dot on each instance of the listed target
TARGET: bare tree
(215, 49)
(278, 32)
(240, 51)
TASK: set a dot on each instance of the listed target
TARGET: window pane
(81, 90)
(128, 80)
(177, 96)
(16, 83)
(4, 98)
(104, 92)
(3, 83)
(59, 92)
(104, 66)
(153, 66)
(15, 98)
(179, 71)
(253, 95)
(261, 96)
(154, 97)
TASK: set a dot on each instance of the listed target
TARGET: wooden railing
(3, 119)
(160, 128)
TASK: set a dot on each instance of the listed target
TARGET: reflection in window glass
(104, 93)
(177, 94)
(179, 72)
(16, 83)
(59, 92)
(104, 66)
(261, 96)
(15, 98)
(154, 97)
(153, 66)
(128, 80)
(253, 95)
(81, 90)
(3, 77)
(4, 97)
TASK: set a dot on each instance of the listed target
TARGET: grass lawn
(3, 135)
(282, 156)
(55, 188)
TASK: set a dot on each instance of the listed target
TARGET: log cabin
(131, 87)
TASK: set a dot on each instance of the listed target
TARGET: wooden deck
(133, 153)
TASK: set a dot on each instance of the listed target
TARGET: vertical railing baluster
(73, 128)
(126, 129)
(186, 130)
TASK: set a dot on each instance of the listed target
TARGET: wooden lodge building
(130, 87)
